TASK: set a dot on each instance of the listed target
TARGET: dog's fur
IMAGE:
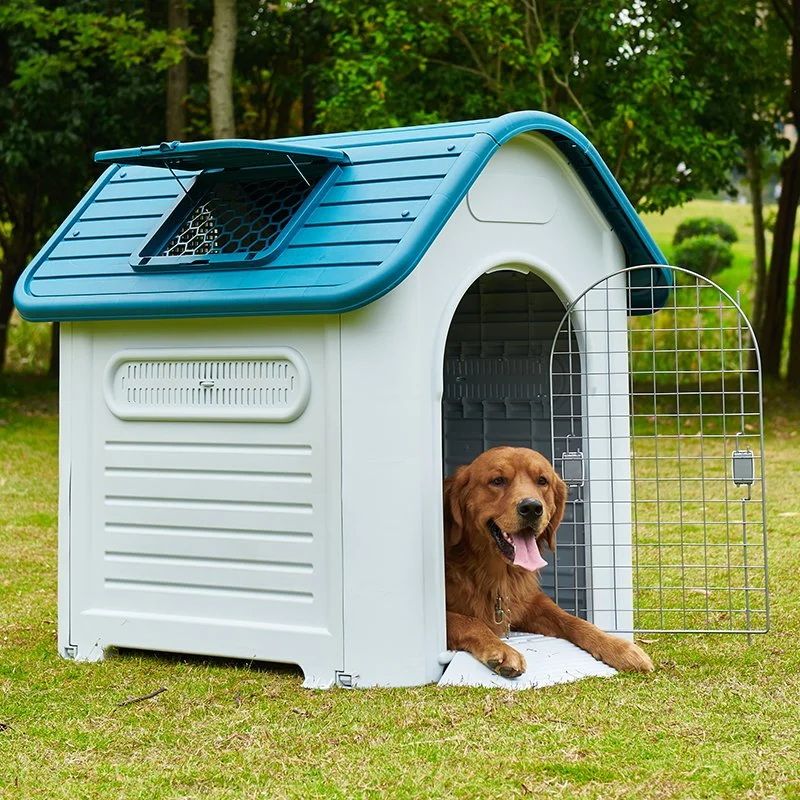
(480, 499)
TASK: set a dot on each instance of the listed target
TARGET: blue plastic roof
(389, 195)
(215, 154)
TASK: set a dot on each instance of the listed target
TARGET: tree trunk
(177, 75)
(775, 293)
(754, 178)
(6, 307)
(220, 69)
(309, 107)
(284, 116)
(793, 372)
(770, 333)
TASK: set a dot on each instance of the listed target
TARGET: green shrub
(704, 226)
(28, 348)
(707, 254)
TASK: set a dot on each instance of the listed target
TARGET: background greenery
(680, 99)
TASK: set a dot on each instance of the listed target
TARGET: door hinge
(744, 471)
(572, 470)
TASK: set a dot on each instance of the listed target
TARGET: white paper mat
(550, 661)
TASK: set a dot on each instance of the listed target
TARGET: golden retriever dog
(497, 511)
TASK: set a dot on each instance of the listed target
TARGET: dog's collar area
(502, 615)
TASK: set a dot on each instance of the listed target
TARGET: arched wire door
(657, 430)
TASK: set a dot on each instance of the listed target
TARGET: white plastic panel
(392, 433)
(501, 196)
(207, 535)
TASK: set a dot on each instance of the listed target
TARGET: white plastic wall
(392, 448)
(206, 524)
(606, 446)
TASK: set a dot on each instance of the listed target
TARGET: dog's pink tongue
(526, 553)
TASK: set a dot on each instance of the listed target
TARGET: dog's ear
(453, 507)
(560, 501)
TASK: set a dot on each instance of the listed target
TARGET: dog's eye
(498, 481)
(542, 481)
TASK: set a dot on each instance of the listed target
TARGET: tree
(221, 54)
(177, 74)
(674, 95)
(57, 65)
(776, 292)
(635, 81)
(281, 64)
(771, 332)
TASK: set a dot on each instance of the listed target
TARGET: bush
(28, 347)
(707, 254)
(704, 226)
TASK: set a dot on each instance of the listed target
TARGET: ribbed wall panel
(211, 519)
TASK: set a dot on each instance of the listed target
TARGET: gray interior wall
(497, 392)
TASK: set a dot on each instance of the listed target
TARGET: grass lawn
(738, 276)
(718, 717)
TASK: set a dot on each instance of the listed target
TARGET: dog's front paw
(627, 657)
(504, 660)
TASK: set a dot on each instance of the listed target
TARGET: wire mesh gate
(657, 430)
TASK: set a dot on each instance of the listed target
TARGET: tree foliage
(72, 80)
(705, 226)
(651, 84)
(704, 253)
(672, 93)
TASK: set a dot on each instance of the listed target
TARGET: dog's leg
(545, 617)
(474, 636)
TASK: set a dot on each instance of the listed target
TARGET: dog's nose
(529, 508)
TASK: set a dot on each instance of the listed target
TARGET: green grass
(718, 718)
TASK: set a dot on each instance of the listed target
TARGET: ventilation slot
(269, 388)
(235, 217)
(238, 218)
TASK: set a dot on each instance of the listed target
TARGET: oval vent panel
(271, 385)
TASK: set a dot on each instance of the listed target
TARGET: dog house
(271, 353)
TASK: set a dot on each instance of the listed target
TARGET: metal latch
(744, 471)
(572, 468)
(344, 679)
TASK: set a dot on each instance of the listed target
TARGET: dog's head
(507, 501)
